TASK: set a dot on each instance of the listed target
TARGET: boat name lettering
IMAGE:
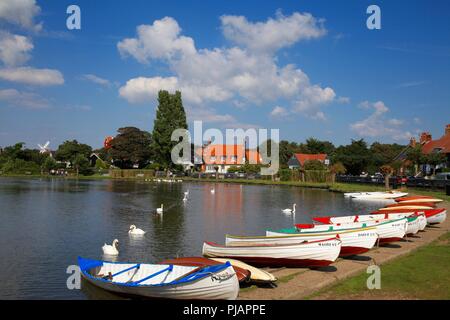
(222, 277)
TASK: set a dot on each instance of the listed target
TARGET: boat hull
(220, 284)
(437, 217)
(353, 242)
(376, 195)
(310, 254)
(386, 230)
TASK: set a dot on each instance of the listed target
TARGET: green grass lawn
(423, 274)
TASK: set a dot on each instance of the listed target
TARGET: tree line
(136, 148)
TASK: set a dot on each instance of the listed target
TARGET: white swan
(186, 193)
(213, 191)
(160, 210)
(185, 198)
(289, 210)
(111, 250)
(135, 231)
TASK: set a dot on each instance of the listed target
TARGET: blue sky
(309, 68)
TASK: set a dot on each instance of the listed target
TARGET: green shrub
(314, 165)
(285, 174)
(19, 166)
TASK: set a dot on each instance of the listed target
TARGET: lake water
(46, 223)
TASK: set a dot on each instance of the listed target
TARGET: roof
(443, 143)
(303, 157)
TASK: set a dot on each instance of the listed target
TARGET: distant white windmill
(44, 148)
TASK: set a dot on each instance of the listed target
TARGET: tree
(80, 163)
(387, 170)
(415, 155)
(286, 151)
(131, 146)
(434, 159)
(315, 146)
(336, 168)
(170, 115)
(69, 150)
(49, 164)
(355, 157)
(383, 154)
(314, 165)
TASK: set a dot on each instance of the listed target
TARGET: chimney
(425, 137)
(412, 142)
(447, 129)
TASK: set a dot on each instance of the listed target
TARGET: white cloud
(312, 97)
(395, 122)
(344, 100)
(142, 89)
(411, 84)
(377, 125)
(23, 99)
(223, 74)
(279, 112)
(157, 41)
(269, 36)
(32, 76)
(14, 49)
(21, 13)
(95, 79)
(319, 115)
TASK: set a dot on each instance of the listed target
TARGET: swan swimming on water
(213, 191)
(135, 231)
(111, 250)
(160, 210)
(289, 210)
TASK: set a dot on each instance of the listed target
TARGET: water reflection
(47, 223)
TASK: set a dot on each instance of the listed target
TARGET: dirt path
(298, 283)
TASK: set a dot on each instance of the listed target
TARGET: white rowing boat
(410, 207)
(305, 254)
(162, 281)
(376, 195)
(387, 230)
(354, 240)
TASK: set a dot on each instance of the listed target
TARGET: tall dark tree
(170, 115)
(69, 150)
(315, 146)
(383, 153)
(131, 146)
(355, 156)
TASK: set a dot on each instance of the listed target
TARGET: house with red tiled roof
(441, 145)
(298, 159)
(225, 156)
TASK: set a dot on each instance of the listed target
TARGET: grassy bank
(423, 274)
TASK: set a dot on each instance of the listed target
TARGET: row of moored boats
(217, 275)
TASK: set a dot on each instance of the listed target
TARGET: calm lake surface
(46, 223)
